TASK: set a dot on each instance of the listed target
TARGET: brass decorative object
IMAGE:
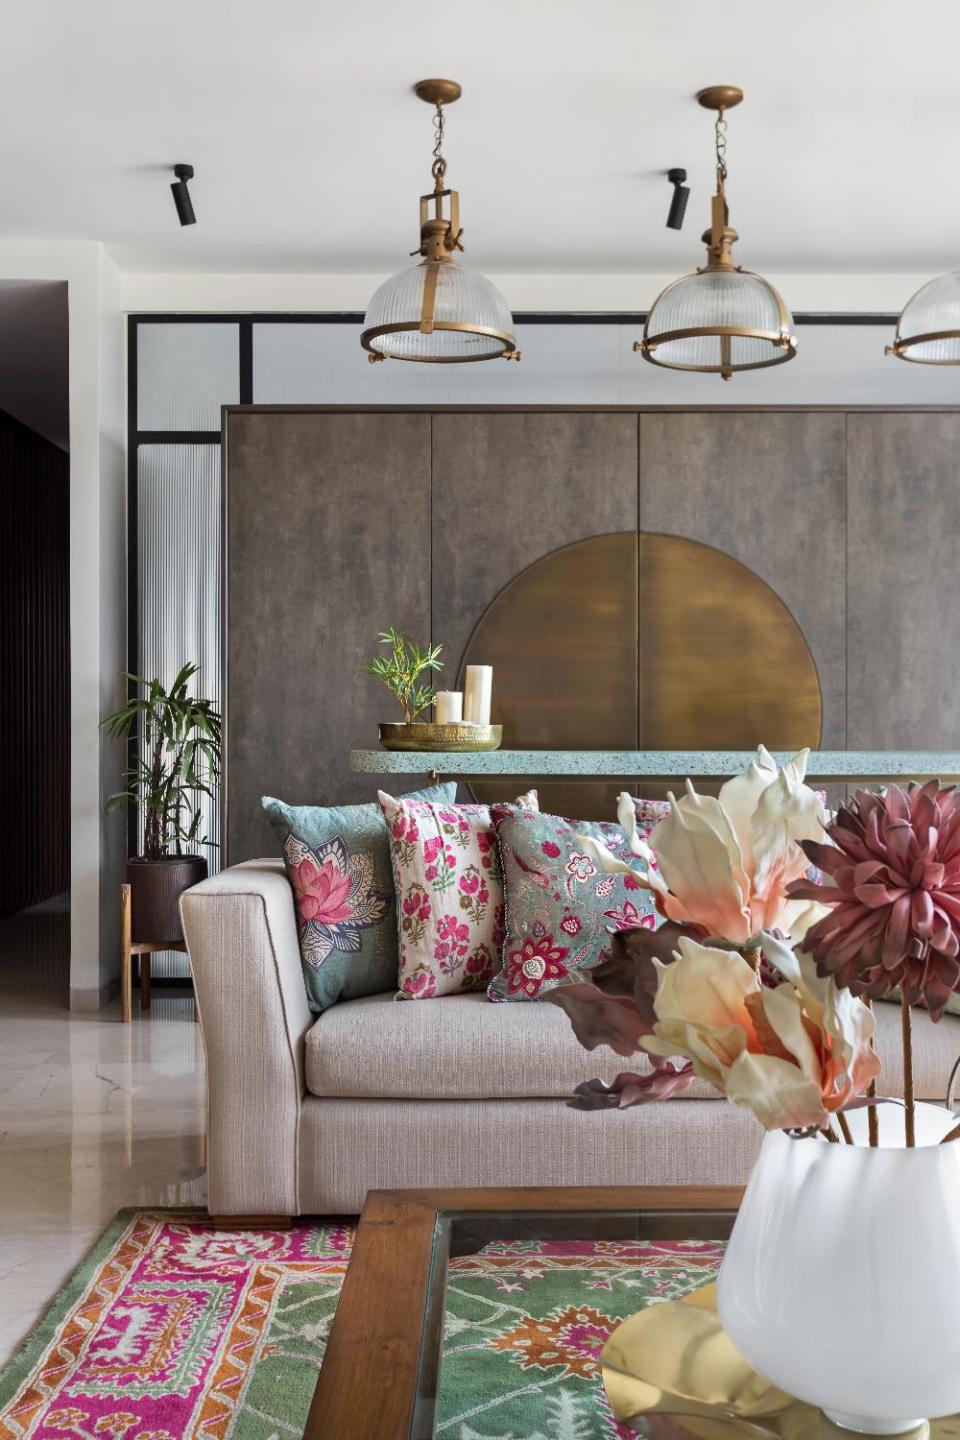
(675, 1361)
(437, 312)
(425, 736)
(721, 318)
(646, 642)
(928, 330)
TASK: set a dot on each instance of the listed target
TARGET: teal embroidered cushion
(338, 864)
(560, 907)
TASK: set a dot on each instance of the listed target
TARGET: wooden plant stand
(143, 948)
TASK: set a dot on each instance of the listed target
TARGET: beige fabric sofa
(307, 1113)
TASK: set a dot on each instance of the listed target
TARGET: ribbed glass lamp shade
(691, 322)
(470, 316)
(928, 330)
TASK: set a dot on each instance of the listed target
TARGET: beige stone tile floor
(94, 1115)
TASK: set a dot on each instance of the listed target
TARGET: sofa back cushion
(338, 864)
(560, 907)
(446, 872)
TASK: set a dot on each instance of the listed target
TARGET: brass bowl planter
(440, 737)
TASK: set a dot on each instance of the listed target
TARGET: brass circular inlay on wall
(642, 642)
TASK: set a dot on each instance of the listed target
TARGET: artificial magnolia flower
(792, 1054)
(892, 885)
(720, 867)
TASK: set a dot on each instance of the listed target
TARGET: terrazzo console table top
(836, 765)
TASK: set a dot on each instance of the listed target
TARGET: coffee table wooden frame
(369, 1380)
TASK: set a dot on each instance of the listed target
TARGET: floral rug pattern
(172, 1330)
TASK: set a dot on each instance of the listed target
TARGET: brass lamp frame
(719, 240)
(440, 237)
(900, 345)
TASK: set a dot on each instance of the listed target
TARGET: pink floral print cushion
(446, 873)
(560, 906)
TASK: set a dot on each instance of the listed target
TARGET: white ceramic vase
(841, 1280)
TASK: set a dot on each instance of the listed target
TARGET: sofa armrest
(241, 933)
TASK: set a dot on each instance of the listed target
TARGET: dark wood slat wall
(34, 668)
(341, 522)
(327, 542)
(903, 497)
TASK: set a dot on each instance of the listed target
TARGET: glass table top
(520, 1303)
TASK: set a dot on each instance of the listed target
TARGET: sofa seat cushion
(461, 1047)
(455, 1047)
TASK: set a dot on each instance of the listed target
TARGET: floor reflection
(95, 1115)
(35, 956)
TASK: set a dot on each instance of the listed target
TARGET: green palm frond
(175, 741)
(401, 668)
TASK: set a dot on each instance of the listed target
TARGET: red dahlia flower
(894, 900)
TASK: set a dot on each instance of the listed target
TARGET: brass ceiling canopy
(437, 312)
(722, 318)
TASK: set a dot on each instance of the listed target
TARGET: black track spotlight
(678, 205)
(181, 195)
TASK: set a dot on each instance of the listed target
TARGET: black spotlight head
(181, 195)
(678, 205)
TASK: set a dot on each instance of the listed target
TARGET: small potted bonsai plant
(401, 671)
(175, 742)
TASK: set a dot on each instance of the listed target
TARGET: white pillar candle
(448, 707)
(477, 689)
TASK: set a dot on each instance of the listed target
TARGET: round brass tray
(460, 738)
(670, 1372)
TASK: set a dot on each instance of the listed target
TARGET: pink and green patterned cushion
(560, 907)
(338, 865)
(446, 873)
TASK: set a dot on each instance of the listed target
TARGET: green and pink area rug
(172, 1330)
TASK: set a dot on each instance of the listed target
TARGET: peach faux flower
(792, 1054)
(721, 865)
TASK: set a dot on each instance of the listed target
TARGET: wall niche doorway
(34, 641)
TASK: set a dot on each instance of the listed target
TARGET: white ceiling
(310, 149)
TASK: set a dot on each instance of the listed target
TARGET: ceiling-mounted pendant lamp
(719, 319)
(928, 331)
(437, 311)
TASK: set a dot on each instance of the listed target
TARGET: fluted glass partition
(178, 602)
(185, 371)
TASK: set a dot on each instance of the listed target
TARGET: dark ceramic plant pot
(156, 887)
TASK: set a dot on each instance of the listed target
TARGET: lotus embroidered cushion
(446, 873)
(560, 907)
(338, 863)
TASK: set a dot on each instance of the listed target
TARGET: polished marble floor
(94, 1115)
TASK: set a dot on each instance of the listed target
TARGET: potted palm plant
(175, 741)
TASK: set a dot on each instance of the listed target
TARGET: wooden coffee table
(381, 1368)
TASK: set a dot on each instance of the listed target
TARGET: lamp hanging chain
(439, 167)
(720, 134)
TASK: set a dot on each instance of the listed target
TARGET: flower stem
(844, 1127)
(828, 1132)
(873, 1119)
(954, 1134)
(910, 1116)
